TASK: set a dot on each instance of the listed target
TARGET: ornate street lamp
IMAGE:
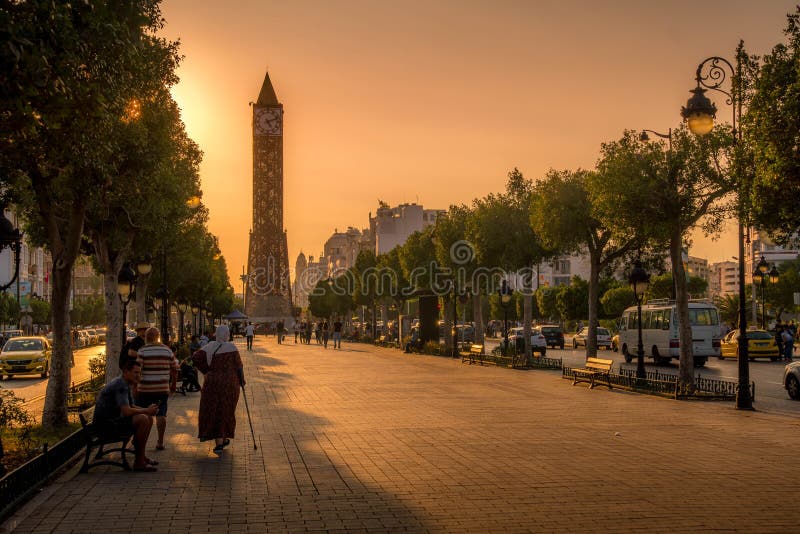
(12, 238)
(699, 114)
(644, 137)
(639, 281)
(126, 280)
(182, 307)
(505, 292)
(760, 280)
(195, 311)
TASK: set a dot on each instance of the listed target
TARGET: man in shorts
(159, 371)
(115, 414)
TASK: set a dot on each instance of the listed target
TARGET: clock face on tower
(268, 121)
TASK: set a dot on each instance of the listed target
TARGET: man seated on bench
(116, 415)
(413, 343)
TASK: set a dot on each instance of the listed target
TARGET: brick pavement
(370, 439)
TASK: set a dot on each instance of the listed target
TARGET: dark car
(554, 335)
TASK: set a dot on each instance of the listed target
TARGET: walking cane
(249, 420)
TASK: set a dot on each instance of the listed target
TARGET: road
(767, 375)
(770, 394)
(32, 387)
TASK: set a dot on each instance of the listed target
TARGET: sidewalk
(371, 439)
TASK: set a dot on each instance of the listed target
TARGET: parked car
(93, 337)
(517, 337)
(760, 344)
(554, 335)
(101, 335)
(603, 337)
(25, 355)
(82, 339)
(791, 379)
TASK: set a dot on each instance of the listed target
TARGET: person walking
(249, 332)
(308, 332)
(788, 344)
(221, 364)
(296, 332)
(159, 378)
(337, 334)
(280, 331)
(325, 329)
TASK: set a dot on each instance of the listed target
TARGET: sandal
(160, 447)
(150, 461)
(218, 450)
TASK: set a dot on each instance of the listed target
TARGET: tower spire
(267, 95)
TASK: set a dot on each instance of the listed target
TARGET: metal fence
(17, 485)
(666, 384)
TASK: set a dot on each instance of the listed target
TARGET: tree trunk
(115, 328)
(64, 244)
(527, 318)
(594, 299)
(448, 325)
(477, 316)
(686, 362)
(55, 404)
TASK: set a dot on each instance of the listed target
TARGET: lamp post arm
(711, 73)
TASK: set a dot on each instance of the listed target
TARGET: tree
(145, 206)
(771, 126)
(661, 194)
(662, 287)
(9, 309)
(504, 239)
(68, 72)
(566, 214)
(616, 300)
(546, 301)
(40, 311)
(572, 300)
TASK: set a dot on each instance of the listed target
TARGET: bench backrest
(599, 364)
(477, 349)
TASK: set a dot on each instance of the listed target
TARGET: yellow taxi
(760, 344)
(25, 355)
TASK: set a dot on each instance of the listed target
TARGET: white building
(391, 226)
(762, 245)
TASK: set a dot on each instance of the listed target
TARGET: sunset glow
(434, 102)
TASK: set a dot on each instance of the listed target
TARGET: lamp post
(126, 279)
(505, 294)
(195, 311)
(699, 114)
(162, 294)
(644, 137)
(12, 238)
(639, 280)
(182, 307)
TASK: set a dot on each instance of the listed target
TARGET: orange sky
(434, 101)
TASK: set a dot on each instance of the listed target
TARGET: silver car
(603, 337)
(791, 379)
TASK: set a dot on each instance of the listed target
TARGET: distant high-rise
(267, 293)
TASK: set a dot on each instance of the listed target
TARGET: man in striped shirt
(158, 366)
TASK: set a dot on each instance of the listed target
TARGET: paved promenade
(370, 439)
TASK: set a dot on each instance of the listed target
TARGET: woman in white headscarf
(221, 364)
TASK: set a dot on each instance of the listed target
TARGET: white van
(660, 331)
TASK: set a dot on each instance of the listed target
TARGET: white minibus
(660, 331)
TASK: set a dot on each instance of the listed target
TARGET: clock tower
(267, 291)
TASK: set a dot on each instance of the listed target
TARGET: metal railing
(666, 384)
(20, 483)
